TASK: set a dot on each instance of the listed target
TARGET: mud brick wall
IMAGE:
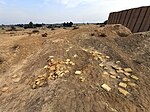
(137, 19)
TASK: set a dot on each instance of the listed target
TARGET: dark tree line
(68, 24)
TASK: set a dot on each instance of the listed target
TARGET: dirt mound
(113, 31)
(74, 71)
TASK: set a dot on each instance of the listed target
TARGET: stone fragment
(112, 72)
(52, 60)
(101, 65)
(67, 71)
(120, 71)
(71, 63)
(134, 77)
(61, 74)
(4, 89)
(112, 76)
(127, 69)
(127, 74)
(82, 79)
(46, 67)
(124, 92)
(52, 68)
(101, 59)
(105, 73)
(68, 60)
(124, 85)
(126, 79)
(14, 76)
(106, 87)
(67, 50)
(51, 57)
(16, 79)
(132, 84)
(78, 72)
(96, 58)
(42, 76)
(75, 55)
(33, 86)
(116, 67)
(105, 68)
(118, 77)
(85, 50)
(107, 57)
(39, 82)
(117, 62)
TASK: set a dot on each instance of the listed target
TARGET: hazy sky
(58, 11)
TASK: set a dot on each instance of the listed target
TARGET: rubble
(39, 81)
(54, 70)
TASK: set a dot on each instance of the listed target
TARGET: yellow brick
(124, 92)
(124, 85)
(112, 76)
(127, 69)
(134, 77)
(78, 72)
(106, 87)
(132, 84)
(126, 79)
(127, 74)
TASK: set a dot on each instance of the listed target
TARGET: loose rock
(124, 92)
(132, 84)
(126, 79)
(16, 79)
(127, 74)
(4, 89)
(127, 69)
(78, 72)
(134, 77)
(124, 85)
(106, 87)
(82, 79)
(112, 76)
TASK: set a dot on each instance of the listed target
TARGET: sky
(59, 11)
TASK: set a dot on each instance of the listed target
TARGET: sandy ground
(89, 69)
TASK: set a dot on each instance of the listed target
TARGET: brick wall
(137, 19)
